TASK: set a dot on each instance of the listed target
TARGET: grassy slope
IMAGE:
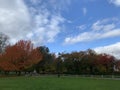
(54, 83)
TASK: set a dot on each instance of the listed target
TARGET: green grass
(54, 83)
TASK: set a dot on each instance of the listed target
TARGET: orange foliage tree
(19, 57)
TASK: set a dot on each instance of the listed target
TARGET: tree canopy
(3, 42)
(19, 57)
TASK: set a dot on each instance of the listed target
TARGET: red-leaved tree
(19, 57)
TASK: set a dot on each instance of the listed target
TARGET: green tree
(3, 42)
(45, 65)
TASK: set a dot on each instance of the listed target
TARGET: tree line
(82, 62)
(23, 57)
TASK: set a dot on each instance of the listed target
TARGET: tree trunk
(19, 73)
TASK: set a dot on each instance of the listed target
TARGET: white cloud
(115, 2)
(56, 5)
(48, 21)
(113, 49)
(84, 11)
(81, 27)
(37, 20)
(80, 38)
(100, 26)
(89, 36)
(101, 29)
(47, 30)
(14, 19)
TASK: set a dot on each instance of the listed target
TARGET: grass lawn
(54, 83)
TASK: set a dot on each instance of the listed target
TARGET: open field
(54, 83)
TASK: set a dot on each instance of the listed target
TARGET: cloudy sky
(63, 25)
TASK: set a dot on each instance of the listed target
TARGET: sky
(63, 25)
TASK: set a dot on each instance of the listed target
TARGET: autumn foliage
(88, 62)
(19, 57)
(23, 57)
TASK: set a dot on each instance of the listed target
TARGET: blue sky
(64, 25)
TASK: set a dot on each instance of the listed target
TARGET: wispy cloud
(113, 49)
(38, 20)
(84, 11)
(101, 29)
(47, 30)
(81, 27)
(104, 25)
(53, 5)
(47, 19)
(60, 5)
(115, 2)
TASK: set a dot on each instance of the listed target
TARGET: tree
(20, 57)
(105, 64)
(3, 42)
(117, 66)
(44, 66)
(70, 62)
